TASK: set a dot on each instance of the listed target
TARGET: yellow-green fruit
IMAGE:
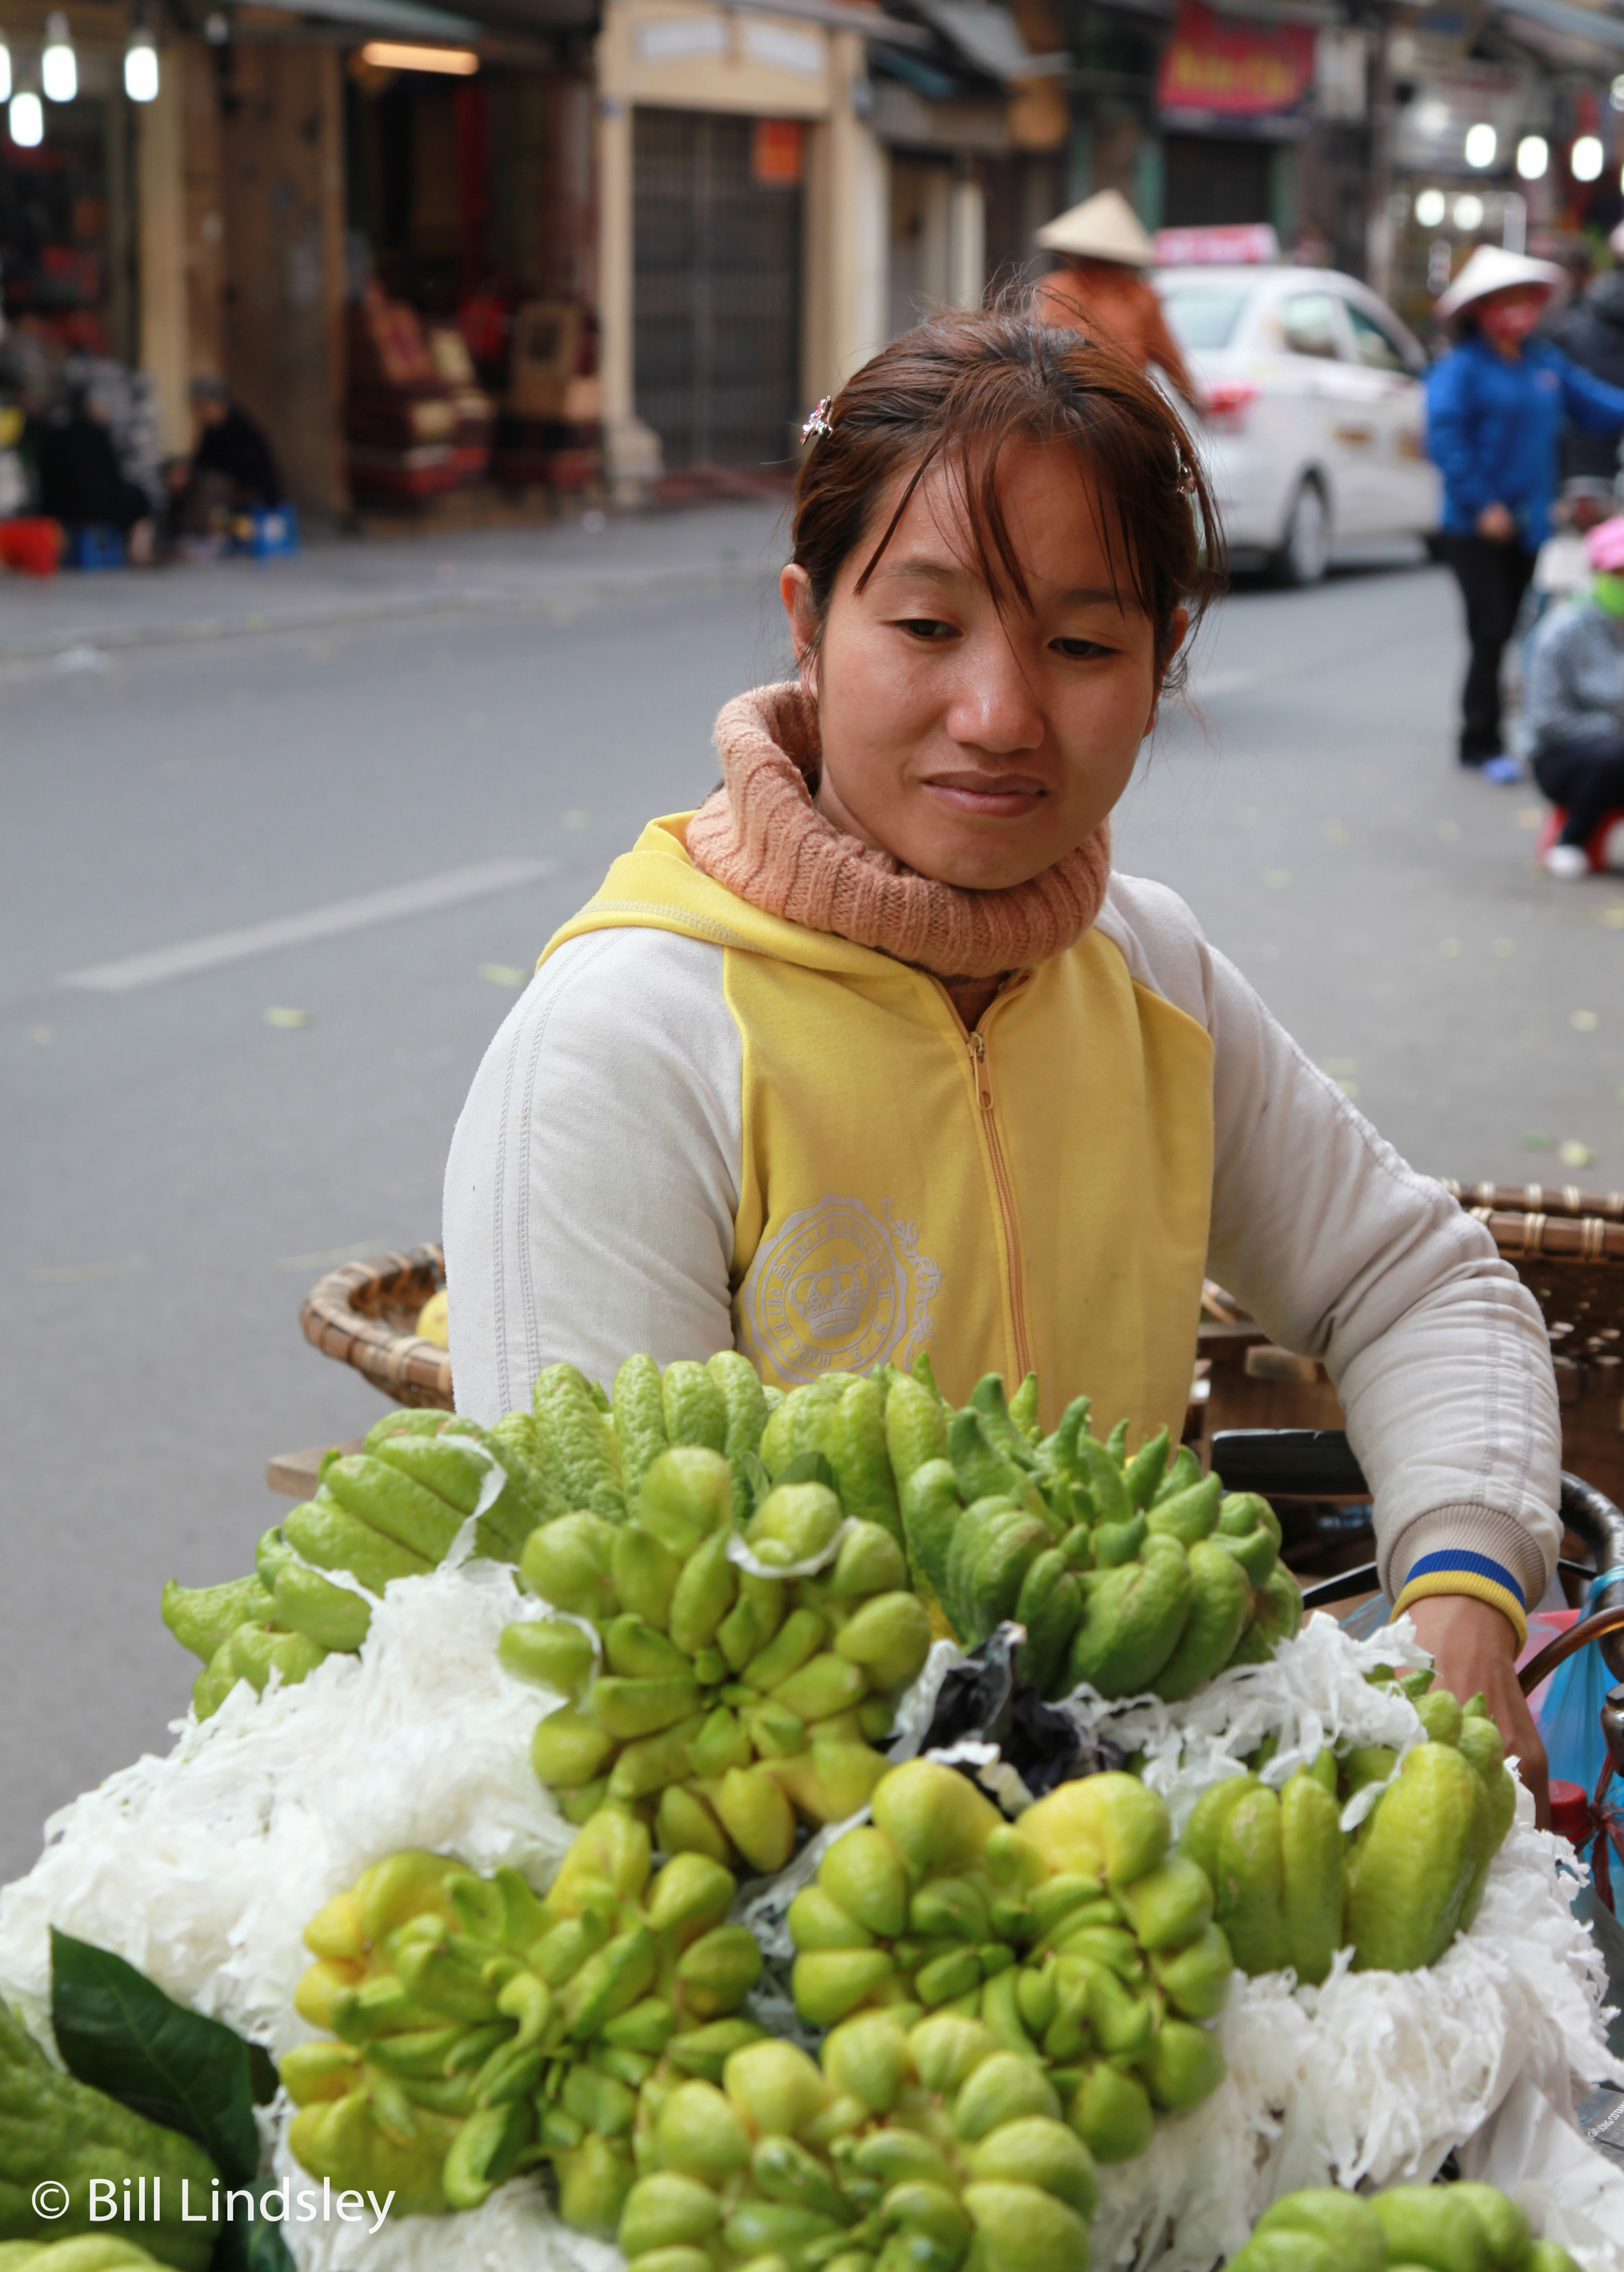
(567, 1564)
(935, 1817)
(1431, 2226)
(865, 1874)
(794, 1524)
(686, 1826)
(1504, 2223)
(1170, 1905)
(1250, 1884)
(1345, 2222)
(1185, 2065)
(1112, 2113)
(673, 2259)
(947, 2049)
(1036, 2150)
(1132, 1620)
(816, 1921)
(699, 2135)
(1311, 1855)
(1018, 2229)
(1108, 1826)
(315, 2071)
(774, 2089)
(867, 2058)
(757, 1816)
(890, 1637)
(1196, 1979)
(568, 1748)
(668, 2210)
(686, 1496)
(829, 1984)
(1220, 1604)
(1003, 2088)
(550, 1651)
(1413, 1871)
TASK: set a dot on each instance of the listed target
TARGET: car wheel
(1304, 548)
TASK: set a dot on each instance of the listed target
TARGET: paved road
(235, 751)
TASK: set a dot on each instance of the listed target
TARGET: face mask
(1607, 594)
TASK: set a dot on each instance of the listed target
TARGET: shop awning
(379, 16)
(988, 36)
(1606, 31)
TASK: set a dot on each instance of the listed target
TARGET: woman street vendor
(874, 1053)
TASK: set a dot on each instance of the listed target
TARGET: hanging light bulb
(25, 121)
(6, 72)
(141, 66)
(59, 71)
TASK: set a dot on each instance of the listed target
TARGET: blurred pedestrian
(1100, 287)
(232, 470)
(1590, 329)
(1573, 703)
(82, 484)
(1495, 408)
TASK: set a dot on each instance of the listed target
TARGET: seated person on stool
(232, 470)
(1573, 703)
(82, 483)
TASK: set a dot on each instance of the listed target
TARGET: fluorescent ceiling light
(26, 118)
(393, 55)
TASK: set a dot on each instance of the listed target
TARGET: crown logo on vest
(832, 1301)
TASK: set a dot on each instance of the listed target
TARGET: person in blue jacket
(1495, 407)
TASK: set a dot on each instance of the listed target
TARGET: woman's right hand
(1496, 522)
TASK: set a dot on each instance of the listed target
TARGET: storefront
(1232, 99)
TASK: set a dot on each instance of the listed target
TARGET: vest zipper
(1006, 1203)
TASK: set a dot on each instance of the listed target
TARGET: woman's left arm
(1343, 1253)
(1588, 400)
(1439, 1352)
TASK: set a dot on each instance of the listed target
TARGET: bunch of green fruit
(90, 2252)
(1129, 1574)
(389, 1511)
(1454, 2228)
(1291, 1888)
(58, 2134)
(474, 2029)
(1072, 1937)
(916, 2150)
(722, 1700)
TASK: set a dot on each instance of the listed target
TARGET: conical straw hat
(1492, 269)
(1102, 228)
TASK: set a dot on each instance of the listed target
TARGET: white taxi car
(1314, 422)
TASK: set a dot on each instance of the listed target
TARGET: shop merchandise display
(718, 1962)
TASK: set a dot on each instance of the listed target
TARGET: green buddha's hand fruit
(1417, 1875)
(54, 2128)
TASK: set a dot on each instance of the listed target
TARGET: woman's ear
(796, 591)
(1178, 627)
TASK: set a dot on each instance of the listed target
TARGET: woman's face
(1509, 316)
(978, 748)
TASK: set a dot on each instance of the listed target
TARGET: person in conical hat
(1100, 287)
(1495, 405)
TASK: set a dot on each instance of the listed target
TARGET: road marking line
(373, 907)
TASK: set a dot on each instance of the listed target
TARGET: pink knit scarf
(762, 836)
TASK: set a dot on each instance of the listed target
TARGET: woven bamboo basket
(1567, 1246)
(366, 1315)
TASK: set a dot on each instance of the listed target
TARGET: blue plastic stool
(268, 532)
(91, 546)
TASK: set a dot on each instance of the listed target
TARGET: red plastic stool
(30, 545)
(1596, 847)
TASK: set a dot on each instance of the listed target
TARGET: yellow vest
(1032, 1195)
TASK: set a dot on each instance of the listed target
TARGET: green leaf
(121, 2035)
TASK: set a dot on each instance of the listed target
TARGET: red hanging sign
(1221, 67)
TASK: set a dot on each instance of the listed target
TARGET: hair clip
(818, 422)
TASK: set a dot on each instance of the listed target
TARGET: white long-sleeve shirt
(594, 1179)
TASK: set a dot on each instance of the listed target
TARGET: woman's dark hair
(957, 391)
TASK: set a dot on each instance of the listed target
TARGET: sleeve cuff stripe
(1455, 1579)
(1463, 1558)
